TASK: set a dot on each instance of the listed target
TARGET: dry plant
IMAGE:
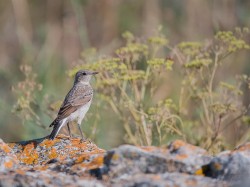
(218, 105)
(26, 92)
(129, 79)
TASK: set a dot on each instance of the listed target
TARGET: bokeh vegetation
(129, 81)
(154, 86)
(130, 78)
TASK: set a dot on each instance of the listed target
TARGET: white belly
(79, 114)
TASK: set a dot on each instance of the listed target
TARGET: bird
(76, 103)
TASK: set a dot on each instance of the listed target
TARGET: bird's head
(84, 76)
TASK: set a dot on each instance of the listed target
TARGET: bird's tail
(56, 128)
(54, 122)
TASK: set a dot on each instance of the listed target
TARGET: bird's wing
(75, 99)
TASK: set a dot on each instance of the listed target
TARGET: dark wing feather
(76, 98)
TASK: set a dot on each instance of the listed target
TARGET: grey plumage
(75, 104)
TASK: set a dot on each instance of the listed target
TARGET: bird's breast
(80, 113)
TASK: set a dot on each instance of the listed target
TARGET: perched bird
(76, 103)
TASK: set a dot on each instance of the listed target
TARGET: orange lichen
(191, 182)
(199, 172)
(217, 166)
(48, 143)
(30, 159)
(62, 136)
(148, 148)
(41, 168)
(191, 147)
(178, 143)
(244, 147)
(78, 143)
(20, 171)
(80, 159)
(68, 146)
(115, 157)
(83, 157)
(97, 162)
(156, 177)
(73, 149)
(28, 147)
(29, 154)
(11, 145)
(8, 164)
(5, 148)
(155, 149)
(72, 153)
(62, 157)
(181, 156)
(53, 153)
(94, 163)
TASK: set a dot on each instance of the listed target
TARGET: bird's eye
(84, 73)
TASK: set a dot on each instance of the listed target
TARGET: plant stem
(210, 86)
(145, 130)
(145, 84)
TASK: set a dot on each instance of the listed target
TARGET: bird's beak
(94, 72)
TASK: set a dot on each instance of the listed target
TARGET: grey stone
(233, 167)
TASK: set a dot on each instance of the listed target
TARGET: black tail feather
(54, 122)
(56, 128)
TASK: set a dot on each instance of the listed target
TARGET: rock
(191, 155)
(59, 162)
(44, 151)
(8, 159)
(71, 162)
(47, 178)
(168, 179)
(233, 167)
(178, 157)
(175, 165)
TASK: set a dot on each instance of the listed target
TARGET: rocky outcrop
(231, 166)
(8, 159)
(71, 162)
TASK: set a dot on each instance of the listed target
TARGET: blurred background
(51, 35)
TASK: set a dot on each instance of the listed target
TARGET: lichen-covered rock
(63, 149)
(169, 180)
(191, 155)
(178, 157)
(61, 162)
(8, 159)
(47, 178)
(71, 162)
(233, 167)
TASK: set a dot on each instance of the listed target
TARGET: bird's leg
(79, 126)
(69, 129)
